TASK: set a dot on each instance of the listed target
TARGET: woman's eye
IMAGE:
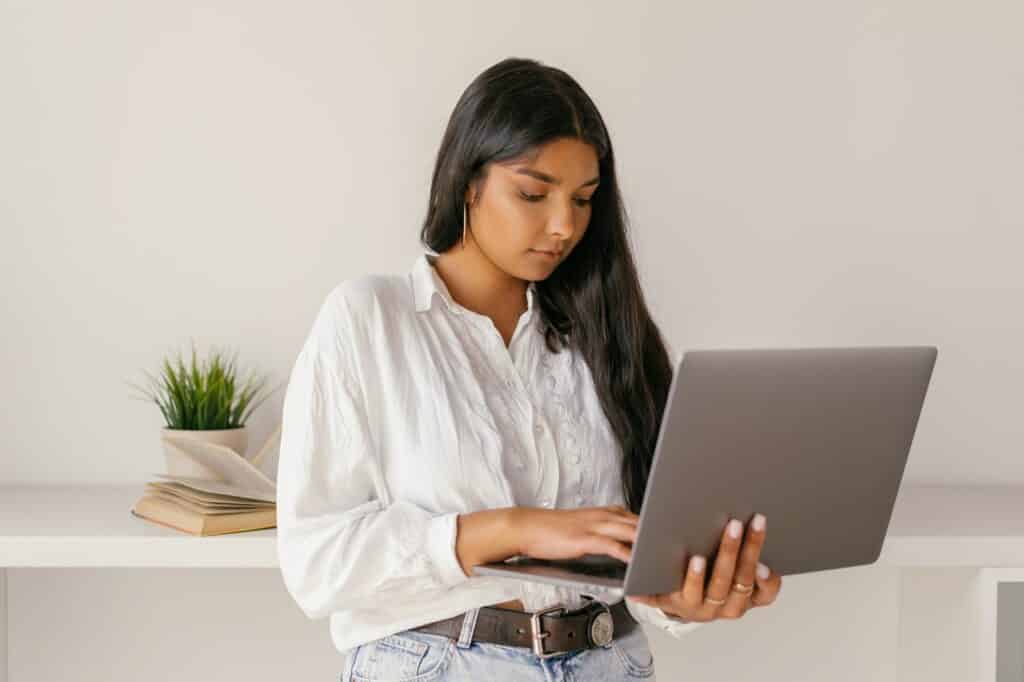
(538, 197)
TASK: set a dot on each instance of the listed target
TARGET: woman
(501, 398)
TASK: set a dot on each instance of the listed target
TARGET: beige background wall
(797, 173)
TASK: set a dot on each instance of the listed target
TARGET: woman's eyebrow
(544, 177)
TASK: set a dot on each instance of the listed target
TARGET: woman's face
(534, 205)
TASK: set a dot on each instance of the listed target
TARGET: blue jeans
(413, 656)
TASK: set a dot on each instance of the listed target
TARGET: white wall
(798, 174)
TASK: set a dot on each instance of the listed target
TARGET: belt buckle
(536, 633)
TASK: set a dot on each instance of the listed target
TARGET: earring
(463, 224)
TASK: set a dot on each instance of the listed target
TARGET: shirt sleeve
(341, 542)
(655, 616)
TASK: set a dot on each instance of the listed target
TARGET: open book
(241, 498)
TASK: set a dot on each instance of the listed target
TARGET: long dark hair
(592, 301)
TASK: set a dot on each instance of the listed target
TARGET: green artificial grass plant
(204, 396)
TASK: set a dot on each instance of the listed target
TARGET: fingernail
(734, 528)
(758, 522)
(762, 571)
(697, 564)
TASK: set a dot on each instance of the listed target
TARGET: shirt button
(539, 428)
(576, 459)
(510, 384)
(579, 499)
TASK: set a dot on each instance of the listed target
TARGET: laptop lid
(816, 439)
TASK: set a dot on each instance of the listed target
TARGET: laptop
(816, 439)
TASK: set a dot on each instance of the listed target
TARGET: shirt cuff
(658, 617)
(441, 536)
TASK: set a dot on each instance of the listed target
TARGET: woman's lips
(547, 254)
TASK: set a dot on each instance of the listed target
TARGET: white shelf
(79, 525)
(91, 526)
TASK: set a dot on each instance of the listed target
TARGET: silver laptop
(816, 439)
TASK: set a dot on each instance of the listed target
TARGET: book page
(226, 463)
(221, 487)
(204, 497)
(200, 508)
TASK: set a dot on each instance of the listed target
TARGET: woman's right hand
(571, 533)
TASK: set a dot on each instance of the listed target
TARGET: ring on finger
(716, 602)
(741, 588)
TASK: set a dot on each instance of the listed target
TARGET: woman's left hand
(736, 562)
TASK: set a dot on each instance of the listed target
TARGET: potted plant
(203, 401)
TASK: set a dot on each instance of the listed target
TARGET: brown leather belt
(548, 632)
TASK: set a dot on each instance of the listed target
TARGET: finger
(619, 512)
(768, 587)
(725, 562)
(618, 529)
(750, 552)
(753, 543)
(631, 520)
(602, 544)
(689, 599)
(620, 508)
(692, 592)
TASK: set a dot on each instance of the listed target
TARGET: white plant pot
(180, 464)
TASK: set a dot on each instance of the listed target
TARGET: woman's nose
(562, 224)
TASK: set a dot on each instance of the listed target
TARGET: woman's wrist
(488, 535)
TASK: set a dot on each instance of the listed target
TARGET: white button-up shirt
(405, 409)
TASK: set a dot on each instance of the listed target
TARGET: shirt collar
(426, 282)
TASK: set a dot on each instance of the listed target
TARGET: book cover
(173, 515)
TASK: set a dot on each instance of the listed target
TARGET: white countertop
(81, 526)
